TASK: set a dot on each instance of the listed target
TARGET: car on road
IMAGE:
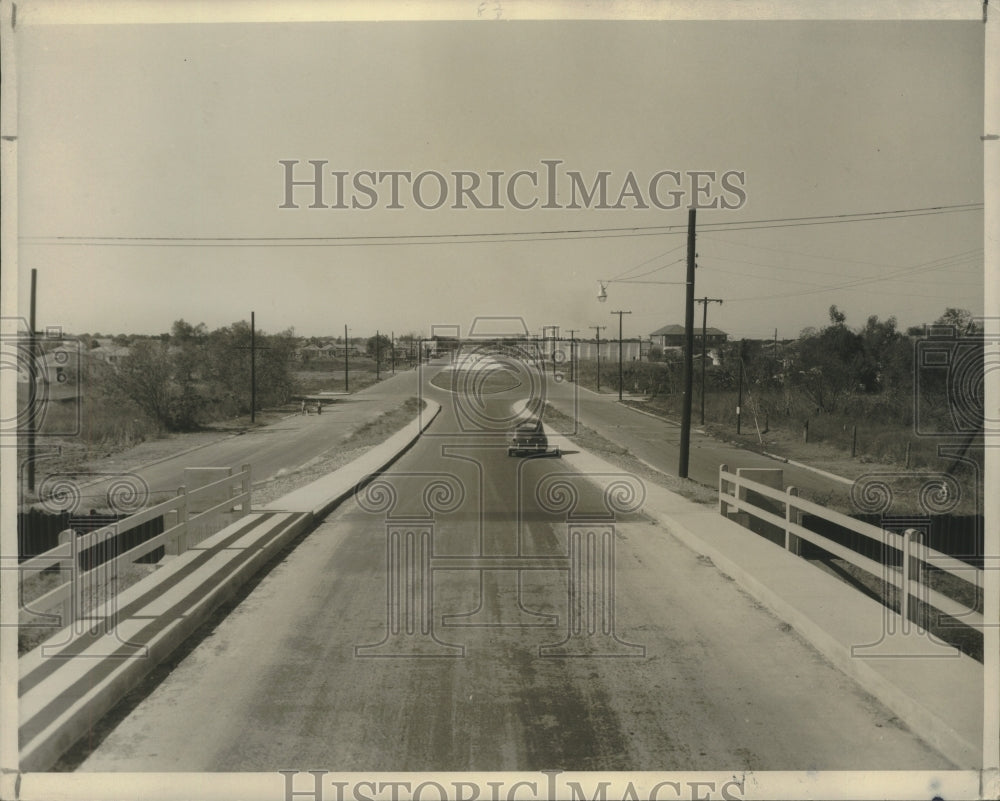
(527, 439)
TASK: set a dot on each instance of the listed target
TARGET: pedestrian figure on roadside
(303, 406)
(319, 408)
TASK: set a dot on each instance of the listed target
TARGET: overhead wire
(487, 237)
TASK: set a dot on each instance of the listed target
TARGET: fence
(905, 570)
(85, 580)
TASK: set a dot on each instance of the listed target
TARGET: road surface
(657, 441)
(281, 446)
(513, 656)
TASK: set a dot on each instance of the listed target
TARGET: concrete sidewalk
(936, 690)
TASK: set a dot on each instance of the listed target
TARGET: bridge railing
(191, 512)
(907, 574)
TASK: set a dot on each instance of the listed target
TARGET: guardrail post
(723, 506)
(178, 544)
(912, 564)
(904, 589)
(792, 515)
(246, 484)
(67, 572)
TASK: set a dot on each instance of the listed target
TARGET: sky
(151, 181)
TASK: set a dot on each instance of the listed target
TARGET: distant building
(109, 354)
(672, 336)
(308, 352)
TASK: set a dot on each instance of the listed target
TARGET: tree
(887, 355)
(145, 377)
(960, 319)
(227, 368)
(829, 365)
(382, 348)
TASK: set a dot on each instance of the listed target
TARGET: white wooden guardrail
(915, 555)
(190, 513)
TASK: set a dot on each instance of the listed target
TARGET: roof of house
(675, 330)
(110, 350)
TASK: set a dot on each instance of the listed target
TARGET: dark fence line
(960, 536)
(38, 531)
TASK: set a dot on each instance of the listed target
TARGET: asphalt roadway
(656, 441)
(269, 450)
(521, 652)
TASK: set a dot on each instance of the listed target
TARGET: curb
(323, 495)
(833, 476)
(929, 724)
(103, 693)
(658, 417)
(629, 454)
(924, 722)
(826, 474)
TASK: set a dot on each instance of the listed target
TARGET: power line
(634, 278)
(759, 277)
(486, 237)
(838, 259)
(927, 266)
(647, 261)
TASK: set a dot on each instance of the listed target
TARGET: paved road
(673, 667)
(657, 441)
(284, 445)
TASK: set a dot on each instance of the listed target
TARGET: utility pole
(254, 347)
(34, 396)
(253, 369)
(392, 350)
(546, 330)
(739, 398)
(572, 347)
(378, 375)
(774, 352)
(685, 443)
(620, 379)
(347, 377)
(704, 348)
(598, 328)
